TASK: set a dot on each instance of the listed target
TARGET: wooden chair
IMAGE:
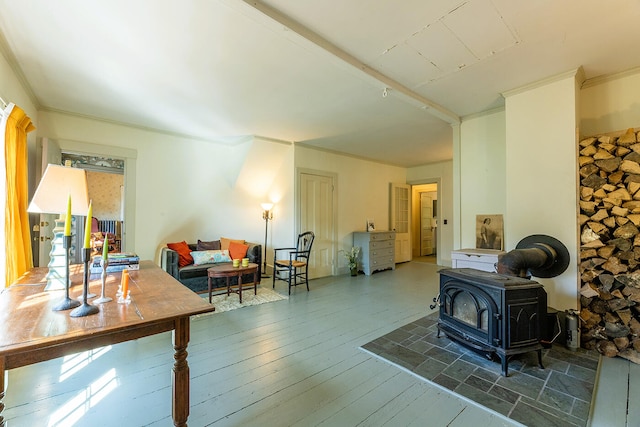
(294, 262)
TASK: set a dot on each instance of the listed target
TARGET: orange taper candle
(125, 283)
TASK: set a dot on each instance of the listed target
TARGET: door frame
(297, 206)
(129, 204)
(438, 183)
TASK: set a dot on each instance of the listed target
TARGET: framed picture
(489, 232)
(370, 225)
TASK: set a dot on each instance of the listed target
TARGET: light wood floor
(295, 362)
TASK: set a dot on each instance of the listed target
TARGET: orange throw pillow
(238, 250)
(184, 252)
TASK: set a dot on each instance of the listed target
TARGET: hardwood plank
(292, 362)
(609, 401)
(633, 404)
(406, 407)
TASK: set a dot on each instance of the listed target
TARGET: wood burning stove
(502, 314)
(492, 313)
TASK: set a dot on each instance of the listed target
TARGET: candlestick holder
(66, 303)
(122, 299)
(104, 263)
(124, 293)
(85, 309)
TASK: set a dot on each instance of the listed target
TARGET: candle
(125, 283)
(87, 228)
(67, 221)
(105, 249)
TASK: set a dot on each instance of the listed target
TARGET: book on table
(117, 262)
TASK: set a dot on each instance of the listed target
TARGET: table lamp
(58, 184)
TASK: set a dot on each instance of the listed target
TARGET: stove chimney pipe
(537, 255)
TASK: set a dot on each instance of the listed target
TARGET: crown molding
(576, 73)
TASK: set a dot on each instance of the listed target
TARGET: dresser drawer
(381, 262)
(382, 252)
(381, 244)
(382, 236)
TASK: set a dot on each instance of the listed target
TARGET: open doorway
(51, 151)
(424, 205)
(105, 181)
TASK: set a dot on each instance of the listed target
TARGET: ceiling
(312, 72)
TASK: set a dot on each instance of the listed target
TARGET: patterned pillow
(210, 257)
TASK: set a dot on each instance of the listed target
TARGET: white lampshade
(267, 206)
(57, 183)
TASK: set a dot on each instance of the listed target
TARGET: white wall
(483, 162)
(363, 190)
(541, 175)
(442, 173)
(190, 189)
(610, 104)
(11, 90)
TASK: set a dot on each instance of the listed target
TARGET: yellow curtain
(19, 257)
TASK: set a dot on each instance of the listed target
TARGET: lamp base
(66, 304)
(84, 310)
(56, 277)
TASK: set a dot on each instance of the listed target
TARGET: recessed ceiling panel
(480, 27)
(440, 46)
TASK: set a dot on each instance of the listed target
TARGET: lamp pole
(267, 214)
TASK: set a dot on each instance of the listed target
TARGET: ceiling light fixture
(385, 92)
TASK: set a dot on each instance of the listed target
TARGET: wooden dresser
(377, 250)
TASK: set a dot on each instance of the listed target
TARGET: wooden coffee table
(228, 270)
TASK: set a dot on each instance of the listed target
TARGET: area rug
(559, 395)
(230, 302)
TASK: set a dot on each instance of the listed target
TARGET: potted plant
(352, 259)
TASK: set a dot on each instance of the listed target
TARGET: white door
(400, 219)
(426, 224)
(317, 215)
(50, 154)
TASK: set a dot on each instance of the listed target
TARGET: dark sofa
(195, 278)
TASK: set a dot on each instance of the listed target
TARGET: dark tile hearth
(559, 395)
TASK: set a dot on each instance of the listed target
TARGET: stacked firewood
(610, 244)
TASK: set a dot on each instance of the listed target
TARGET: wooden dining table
(32, 332)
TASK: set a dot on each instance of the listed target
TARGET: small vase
(354, 271)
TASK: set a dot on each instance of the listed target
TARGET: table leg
(2, 424)
(209, 289)
(255, 282)
(180, 404)
(240, 287)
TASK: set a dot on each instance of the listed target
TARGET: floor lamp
(267, 214)
(58, 184)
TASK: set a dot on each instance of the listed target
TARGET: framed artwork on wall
(489, 232)
(371, 225)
